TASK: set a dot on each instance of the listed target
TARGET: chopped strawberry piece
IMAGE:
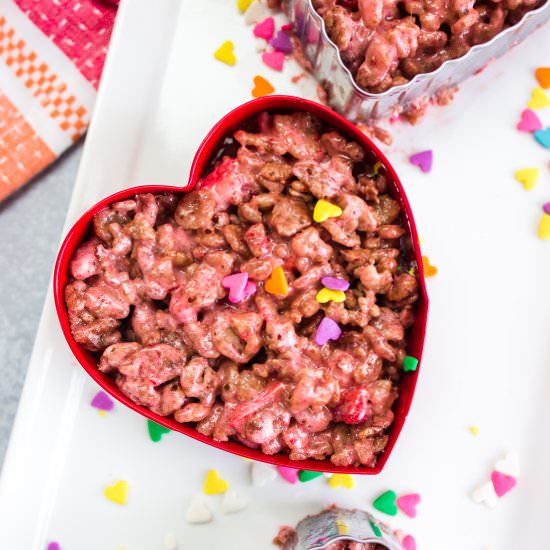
(354, 406)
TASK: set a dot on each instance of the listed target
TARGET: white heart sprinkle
(256, 12)
(232, 502)
(262, 473)
(170, 541)
(485, 494)
(198, 512)
(509, 464)
(260, 44)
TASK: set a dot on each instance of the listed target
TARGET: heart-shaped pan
(206, 153)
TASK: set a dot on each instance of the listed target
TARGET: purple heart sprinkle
(335, 283)
(546, 207)
(282, 42)
(423, 160)
(102, 402)
(54, 546)
(327, 330)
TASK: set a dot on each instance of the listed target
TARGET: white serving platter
(486, 354)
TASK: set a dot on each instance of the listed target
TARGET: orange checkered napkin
(51, 56)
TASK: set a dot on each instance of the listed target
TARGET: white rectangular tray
(486, 354)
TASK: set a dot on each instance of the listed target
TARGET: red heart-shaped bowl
(82, 229)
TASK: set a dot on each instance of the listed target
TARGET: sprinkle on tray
(328, 329)
(528, 177)
(539, 99)
(429, 269)
(256, 12)
(277, 283)
(508, 464)
(261, 474)
(288, 474)
(243, 5)
(306, 475)
(385, 503)
(274, 60)
(529, 121)
(324, 210)
(117, 493)
(233, 503)
(214, 484)
(424, 160)
(502, 483)
(225, 53)
(544, 227)
(543, 137)
(474, 430)
(198, 511)
(546, 207)
(265, 29)
(236, 284)
(341, 480)
(542, 74)
(170, 542)
(326, 295)
(262, 87)
(281, 42)
(53, 546)
(485, 494)
(335, 283)
(156, 431)
(409, 543)
(342, 526)
(408, 504)
(410, 364)
(102, 402)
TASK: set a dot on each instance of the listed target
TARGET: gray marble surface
(30, 228)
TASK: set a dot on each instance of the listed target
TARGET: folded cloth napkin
(51, 57)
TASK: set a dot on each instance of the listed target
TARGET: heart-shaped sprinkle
(509, 464)
(198, 512)
(327, 330)
(375, 529)
(423, 159)
(249, 290)
(474, 430)
(232, 503)
(544, 227)
(546, 207)
(214, 484)
(277, 283)
(256, 12)
(102, 402)
(543, 137)
(342, 526)
(117, 493)
(289, 474)
(410, 364)
(502, 483)
(542, 74)
(409, 543)
(408, 503)
(243, 5)
(262, 87)
(429, 269)
(170, 542)
(324, 210)
(53, 546)
(274, 60)
(326, 295)
(225, 53)
(335, 283)
(236, 284)
(265, 29)
(385, 503)
(539, 99)
(528, 177)
(529, 121)
(341, 480)
(156, 431)
(485, 494)
(281, 41)
(306, 475)
(261, 474)
(260, 45)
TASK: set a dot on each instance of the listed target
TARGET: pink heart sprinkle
(249, 289)
(54, 546)
(274, 60)
(265, 29)
(102, 402)
(423, 160)
(327, 330)
(335, 283)
(289, 474)
(236, 284)
(546, 207)
(409, 543)
(529, 121)
(502, 483)
(408, 503)
(282, 42)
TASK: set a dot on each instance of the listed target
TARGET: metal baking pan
(346, 97)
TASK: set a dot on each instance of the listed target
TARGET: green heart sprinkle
(156, 431)
(410, 363)
(375, 528)
(306, 475)
(385, 503)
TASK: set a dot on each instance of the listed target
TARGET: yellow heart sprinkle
(342, 527)
(327, 294)
(102, 413)
(429, 269)
(341, 480)
(474, 430)
(324, 210)
(214, 484)
(277, 283)
(539, 99)
(528, 177)
(117, 493)
(243, 5)
(544, 227)
(225, 53)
